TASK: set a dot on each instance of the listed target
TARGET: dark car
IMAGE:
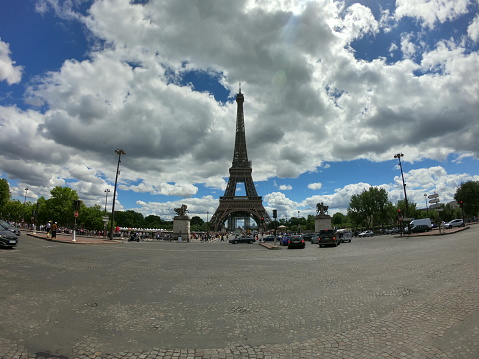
(420, 228)
(8, 239)
(328, 237)
(242, 239)
(268, 238)
(296, 241)
(308, 236)
(5, 226)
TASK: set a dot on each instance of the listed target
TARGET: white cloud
(430, 11)
(8, 71)
(285, 187)
(315, 186)
(473, 29)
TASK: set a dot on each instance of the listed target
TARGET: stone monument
(322, 220)
(181, 224)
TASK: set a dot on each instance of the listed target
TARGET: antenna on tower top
(240, 87)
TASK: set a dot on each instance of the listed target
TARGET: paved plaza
(380, 297)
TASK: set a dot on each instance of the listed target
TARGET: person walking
(49, 228)
(54, 230)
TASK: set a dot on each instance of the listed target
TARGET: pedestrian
(49, 228)
(54, 230)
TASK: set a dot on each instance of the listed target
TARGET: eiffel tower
(233, 207)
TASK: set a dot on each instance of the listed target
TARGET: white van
(420, 222)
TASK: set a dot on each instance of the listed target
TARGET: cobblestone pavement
(380, 297)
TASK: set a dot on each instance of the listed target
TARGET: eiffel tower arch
(233, 207)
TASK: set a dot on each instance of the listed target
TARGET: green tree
(196, 220)
(4, 194)
(468, 193)
(14, 210)
(129, 219)
(153, 221)
(91, 217)
(338, 219)
(60, 205)
(369, 208)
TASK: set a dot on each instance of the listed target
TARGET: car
(6, 226)
(420, 228)
(8, 239)
(315, 239)
(454, 223)
(328, 237)
(296, 241)
(345, 235)
(268, 239)
(367, 233)
(242, 239)
(284, 240)
(391, 231)
(308, 236)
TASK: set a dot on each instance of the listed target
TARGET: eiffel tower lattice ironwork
(232, 207)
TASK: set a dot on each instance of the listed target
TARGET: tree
(338, 219)
(130, 219)
(196, 220)
(91, 217)
(468, 193)
(60, 205)
(369, 208)
(4, 194)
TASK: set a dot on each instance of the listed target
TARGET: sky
(333, 90)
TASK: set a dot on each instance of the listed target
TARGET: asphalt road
(381, 297)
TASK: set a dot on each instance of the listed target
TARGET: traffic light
(399, 213)
(461, 203)
(76, 204)
(275, 213)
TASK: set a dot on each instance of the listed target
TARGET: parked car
(328, 237)
(8, 239)
(6, 226)
(420, 228)
(296, 241)
(367, 233)
(391, 231)
(268, 238)
(308, 236)
(454, 223)
(315, 239)
(242, 239)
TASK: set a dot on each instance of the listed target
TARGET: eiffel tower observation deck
(231, 206)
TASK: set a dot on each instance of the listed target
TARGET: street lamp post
(24, 204)
(119, 152)
(207, 227)
(398, 156)
(427, 207)
(106, 197)
(299, 225)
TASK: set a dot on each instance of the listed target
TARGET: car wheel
(235, 242)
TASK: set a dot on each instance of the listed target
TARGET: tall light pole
(207, 227)
(119, 152)
(24, 204)
(427, 207)
(106, 197)
(398, 156)
(299, 225)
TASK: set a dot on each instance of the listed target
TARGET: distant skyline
(332, 91)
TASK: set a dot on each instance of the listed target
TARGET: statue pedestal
(322, 221)
(181, 228)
